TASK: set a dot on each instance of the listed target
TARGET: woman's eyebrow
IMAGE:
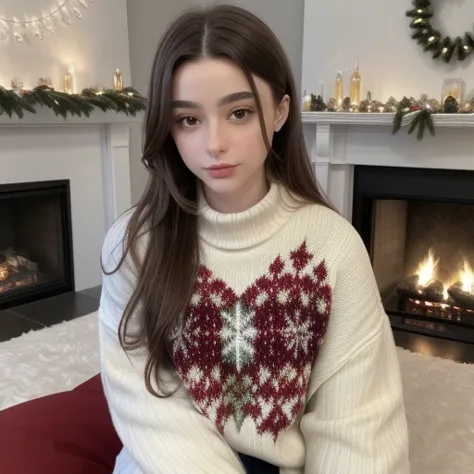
(228, 99)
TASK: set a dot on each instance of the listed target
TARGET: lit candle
(118, 81)
(69, 82)
(306, 103)
(73, 76)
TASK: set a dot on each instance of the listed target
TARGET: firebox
(36, 259)
(418, 226)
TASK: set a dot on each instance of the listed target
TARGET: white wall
(378, 33)
(148, 20)
(96, 45)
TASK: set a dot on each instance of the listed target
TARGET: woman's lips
(221, 171)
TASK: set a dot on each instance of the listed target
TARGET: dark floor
(435, 347)
(20, 319)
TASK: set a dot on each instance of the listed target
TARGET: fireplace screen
(418, 226)
(35, 241)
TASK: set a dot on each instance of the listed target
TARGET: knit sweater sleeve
(355, 421)
(161, 435)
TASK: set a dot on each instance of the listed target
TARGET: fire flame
(467, 278)
(426, 269)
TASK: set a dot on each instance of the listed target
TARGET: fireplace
(36, 259)
(418, 226)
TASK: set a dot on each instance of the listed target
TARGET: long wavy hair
(167, 271)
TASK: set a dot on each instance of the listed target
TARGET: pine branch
(397, 122)
(413, 115)
(99, 100)
(430, 123)
(11, 103)
(414, 122)
(128, 101)
(421, 125)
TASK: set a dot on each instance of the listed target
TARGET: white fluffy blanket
(439, 394)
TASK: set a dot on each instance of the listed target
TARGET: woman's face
(217, 131)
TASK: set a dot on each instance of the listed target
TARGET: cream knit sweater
(285, 353)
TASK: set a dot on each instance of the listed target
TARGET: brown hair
(167, 272)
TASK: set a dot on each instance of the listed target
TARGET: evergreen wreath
(442, 47)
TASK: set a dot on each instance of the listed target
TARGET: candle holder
(118, 81)
(453, 88)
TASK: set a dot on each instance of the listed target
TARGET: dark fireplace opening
(36, 259)
(418, 226)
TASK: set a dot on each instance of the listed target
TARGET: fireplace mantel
(46, 117)
(114, 129)
(343, 118)
(93, 154)
(337, 142)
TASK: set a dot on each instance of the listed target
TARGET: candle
(118, 81)
(69, 81)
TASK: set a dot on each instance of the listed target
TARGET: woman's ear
(283, 111)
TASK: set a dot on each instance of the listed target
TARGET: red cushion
(69, 432)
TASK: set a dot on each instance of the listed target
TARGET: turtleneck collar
(248, 228)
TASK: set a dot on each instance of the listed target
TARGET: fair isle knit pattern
(283, 353)
(250, 355)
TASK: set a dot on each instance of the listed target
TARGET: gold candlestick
(339, 89)
(67, 84)
(69, 81)
(118, 81)
(355, 85)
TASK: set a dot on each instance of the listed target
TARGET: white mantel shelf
(338, 142)
(348, 118)
(46, 117)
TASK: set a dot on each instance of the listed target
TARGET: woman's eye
(241, 114)
(187, 121)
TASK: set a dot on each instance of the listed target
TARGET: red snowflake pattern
(250, 356)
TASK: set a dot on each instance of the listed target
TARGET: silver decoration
(16, 85)
(45, 81)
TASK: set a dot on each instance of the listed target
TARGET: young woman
(241, 326)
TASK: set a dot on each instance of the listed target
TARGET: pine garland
(128, 101)
(415, 116)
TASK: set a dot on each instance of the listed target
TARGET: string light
(41, 23)
(39, 19)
